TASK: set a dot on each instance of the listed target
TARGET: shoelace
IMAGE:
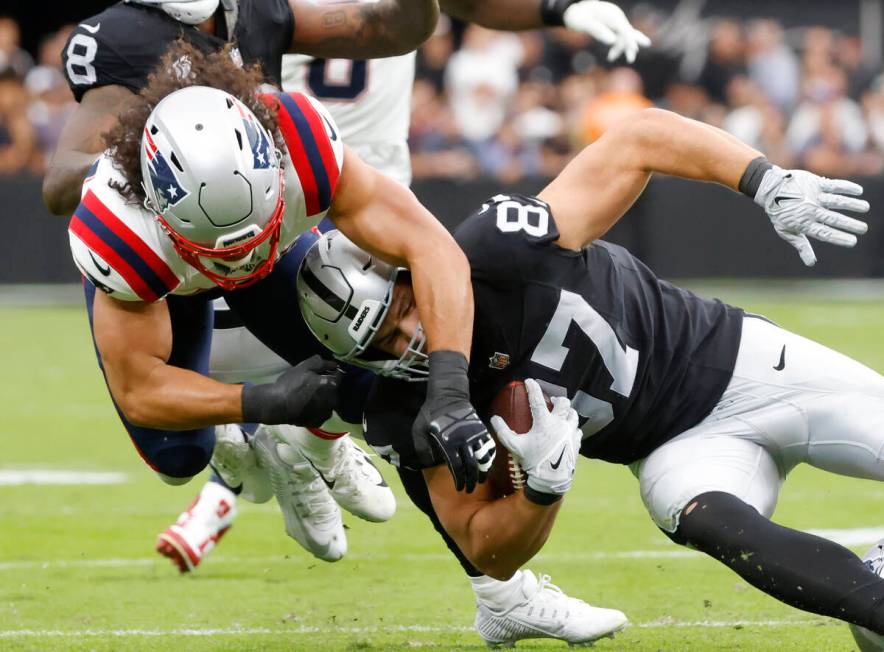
(350, 463)
(312, 497)
(545, 583)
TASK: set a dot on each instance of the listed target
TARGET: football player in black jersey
(109, 56)
(710, 407)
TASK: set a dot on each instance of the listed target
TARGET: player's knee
(174, 482)
(177, 465)
(711, 518)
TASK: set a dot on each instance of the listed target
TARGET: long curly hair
(182, 66)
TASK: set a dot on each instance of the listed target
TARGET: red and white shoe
(195, 533)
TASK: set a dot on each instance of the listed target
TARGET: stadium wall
(679, 229)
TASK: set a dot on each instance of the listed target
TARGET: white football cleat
(866, 639)
(235, 461)
(354, 481)
(545, 611)
(195, 533)
(312, 517)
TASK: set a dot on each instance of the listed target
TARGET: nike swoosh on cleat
(330, 485)
(782, 363)
(558, 461)
(90, 28)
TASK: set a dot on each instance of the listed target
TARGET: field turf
(78, 571)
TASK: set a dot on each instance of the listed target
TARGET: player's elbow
(54, 196)
(132, 404)
(643, 131)
(421, 29)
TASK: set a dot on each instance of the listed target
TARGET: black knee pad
(183, 461)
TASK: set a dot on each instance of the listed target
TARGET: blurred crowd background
(509, 106)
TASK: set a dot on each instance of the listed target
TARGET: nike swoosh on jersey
(558, 461)
(331, 130)
(90, 28)
(782, 363)
(105, 271)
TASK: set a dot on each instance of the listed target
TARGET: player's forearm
(505, 534)
(360, 30)
(444, 295)
(171, 398)
(505, 15)
(498, 535)
(663, 142)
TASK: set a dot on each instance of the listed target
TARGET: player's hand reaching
(607, 24)
(548, 452)
(305, 395)
(448, 424)
(802, 205)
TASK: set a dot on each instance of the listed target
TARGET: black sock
(800, 569)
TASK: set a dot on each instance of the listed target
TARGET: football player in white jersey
(220, 210)
(370, 101)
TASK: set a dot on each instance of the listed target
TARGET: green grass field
(78, 571)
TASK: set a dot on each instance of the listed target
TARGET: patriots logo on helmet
(168, 189)
(263, 157)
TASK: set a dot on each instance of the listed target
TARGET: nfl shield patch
(499, 361)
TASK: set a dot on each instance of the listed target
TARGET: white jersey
(369, 100)
(120, 246)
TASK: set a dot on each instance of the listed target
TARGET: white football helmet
(344, 294)
(213, 177)
(191, 12)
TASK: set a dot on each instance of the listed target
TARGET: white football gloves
(801, 205)
(548, 452)
(606, 23)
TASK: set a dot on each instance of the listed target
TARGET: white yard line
(16, 477)
(861, 536)
(392, 629)
(420, 557)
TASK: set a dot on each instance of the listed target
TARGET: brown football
(511, 405)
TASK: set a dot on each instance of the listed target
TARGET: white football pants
(790, 401)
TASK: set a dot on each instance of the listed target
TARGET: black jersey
(641, 360)
(125, 42)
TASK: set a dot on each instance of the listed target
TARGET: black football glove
(448, 427)
(305, 395)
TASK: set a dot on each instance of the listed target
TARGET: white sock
(498, 594)
(316, 446)
(215, 491)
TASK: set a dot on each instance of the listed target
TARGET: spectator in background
(622, 97)
(437, 149)
(726, 60)
(51, 100)
(434, 54)
(873, 105)
(772, 65)
(827, 131)
(481, 79)
(14, 61)
(756, 121)
(17, 141)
